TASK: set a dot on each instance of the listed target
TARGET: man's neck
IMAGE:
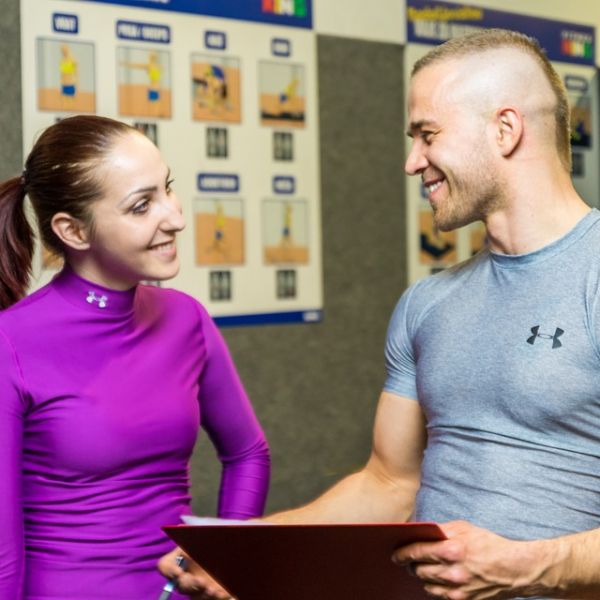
(535, 216)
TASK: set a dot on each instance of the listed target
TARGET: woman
(104, 381)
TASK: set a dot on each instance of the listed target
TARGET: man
(491, 409)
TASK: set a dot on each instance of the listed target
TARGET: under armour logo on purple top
(101, 300)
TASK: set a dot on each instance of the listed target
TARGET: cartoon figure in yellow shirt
(154, 71)
(286, 232)
(219, 243)
(288, 94)
(68, 77)
(212, 90)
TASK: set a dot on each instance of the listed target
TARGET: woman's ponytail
(62, 174)
(16, 242)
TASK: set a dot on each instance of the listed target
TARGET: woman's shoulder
(32, 307)
(171, 301)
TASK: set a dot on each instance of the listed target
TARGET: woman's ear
(70, 231)
(509, 129)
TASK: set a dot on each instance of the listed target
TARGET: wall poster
(227, 91)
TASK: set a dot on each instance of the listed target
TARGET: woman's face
(137, 219)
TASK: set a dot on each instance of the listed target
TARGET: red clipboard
(307, 562)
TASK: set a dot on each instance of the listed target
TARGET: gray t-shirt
(503, 354)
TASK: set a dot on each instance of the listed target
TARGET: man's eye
(168, 186)
(427, 136)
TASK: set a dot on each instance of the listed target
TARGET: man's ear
(509, 129)
(70, 231)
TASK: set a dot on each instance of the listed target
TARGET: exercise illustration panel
(285, 231)
(65, 76)
(228, 102)
(282, 91)
(216, 88)
(144, 82)
(219, 231)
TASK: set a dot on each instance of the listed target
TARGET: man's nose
(416, 162)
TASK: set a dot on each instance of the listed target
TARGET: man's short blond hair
(493, 39)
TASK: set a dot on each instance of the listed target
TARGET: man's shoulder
(446, 281)
(441, 290)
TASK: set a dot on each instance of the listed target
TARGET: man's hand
(476, 564)
(194, 580)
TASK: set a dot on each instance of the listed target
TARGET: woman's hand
(194, 580)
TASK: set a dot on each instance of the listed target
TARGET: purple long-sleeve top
(102, 393)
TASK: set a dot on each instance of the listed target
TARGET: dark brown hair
(59, 176)
(493, 39)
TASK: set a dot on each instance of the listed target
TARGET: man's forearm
(361, 497)
(571, 565)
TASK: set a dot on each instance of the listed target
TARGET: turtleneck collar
(91, 296)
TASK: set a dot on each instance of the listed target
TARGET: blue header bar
(291, 13)
(276, 318)
(435, 22)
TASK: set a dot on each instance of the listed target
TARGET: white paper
(193, 520)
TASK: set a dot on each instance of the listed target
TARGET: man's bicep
(399, 438)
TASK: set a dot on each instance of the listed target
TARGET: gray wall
(314, 387)
(10, 90)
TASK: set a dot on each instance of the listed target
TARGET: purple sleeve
(11, 512)
(229, 420)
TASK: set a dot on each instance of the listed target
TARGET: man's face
(450, 149)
